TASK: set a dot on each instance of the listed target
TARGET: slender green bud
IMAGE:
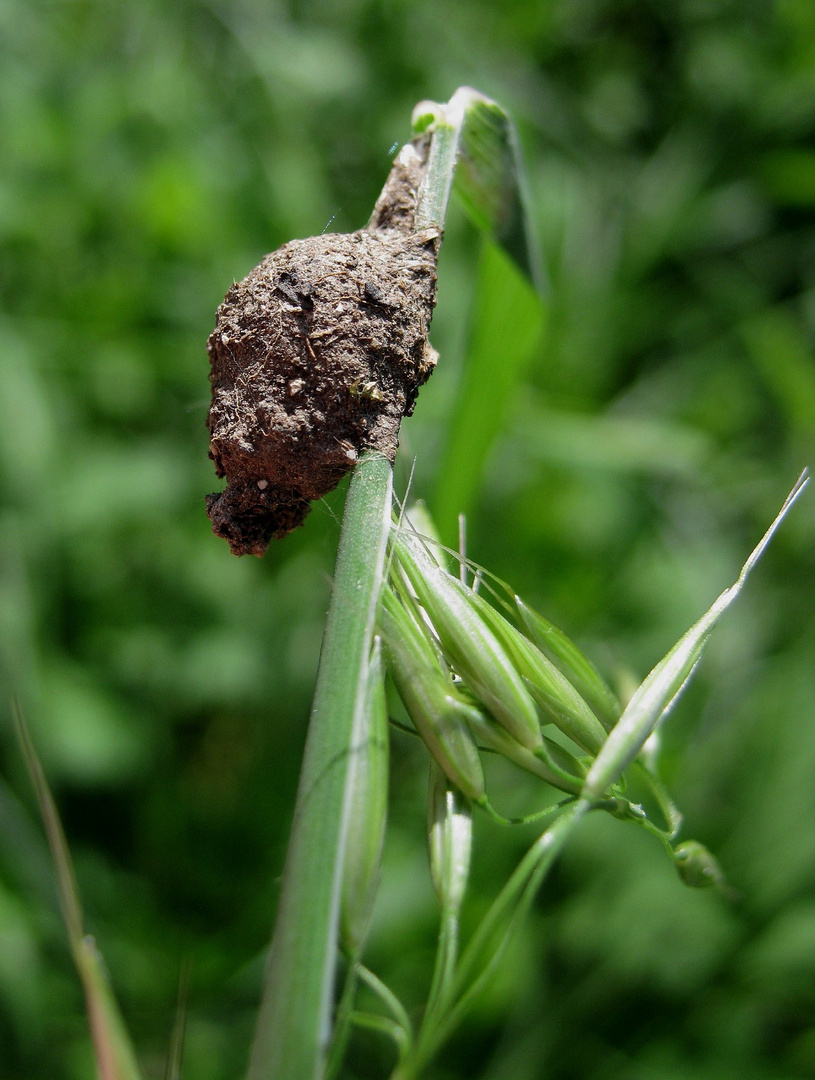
(435, 708)
(449, 835)
(560, 703)
(469, 645)
(697, 866)
(367, 811)
(574, 664)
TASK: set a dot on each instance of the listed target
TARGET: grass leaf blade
(475, 150)
(490, 181)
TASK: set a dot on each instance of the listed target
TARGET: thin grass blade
(175, 1055)
(115, 1056)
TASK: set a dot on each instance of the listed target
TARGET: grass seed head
(560, 703)
(435, 708)
(450, 836)
(577, 668)
(697, 866)
(550, 762)
(469, 645)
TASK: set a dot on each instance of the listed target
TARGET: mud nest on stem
(316, 356)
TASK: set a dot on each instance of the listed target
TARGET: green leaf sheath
(368, 785)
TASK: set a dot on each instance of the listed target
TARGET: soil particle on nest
(317, 355)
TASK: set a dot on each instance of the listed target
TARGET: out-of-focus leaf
(790, 176)
(115, 1057)
(785, 359)
(611, 443)
(508, 321)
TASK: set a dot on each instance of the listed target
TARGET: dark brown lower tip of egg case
(249, 527)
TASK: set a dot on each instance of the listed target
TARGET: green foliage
(149, 153)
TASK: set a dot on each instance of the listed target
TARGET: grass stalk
(447, 122)
(294, 1020)
(490, 941)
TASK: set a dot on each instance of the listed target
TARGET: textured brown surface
(317, 354)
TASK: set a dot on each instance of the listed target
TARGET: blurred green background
(150, 152)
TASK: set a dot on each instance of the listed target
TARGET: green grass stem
(488, 945)
(294, 1020)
